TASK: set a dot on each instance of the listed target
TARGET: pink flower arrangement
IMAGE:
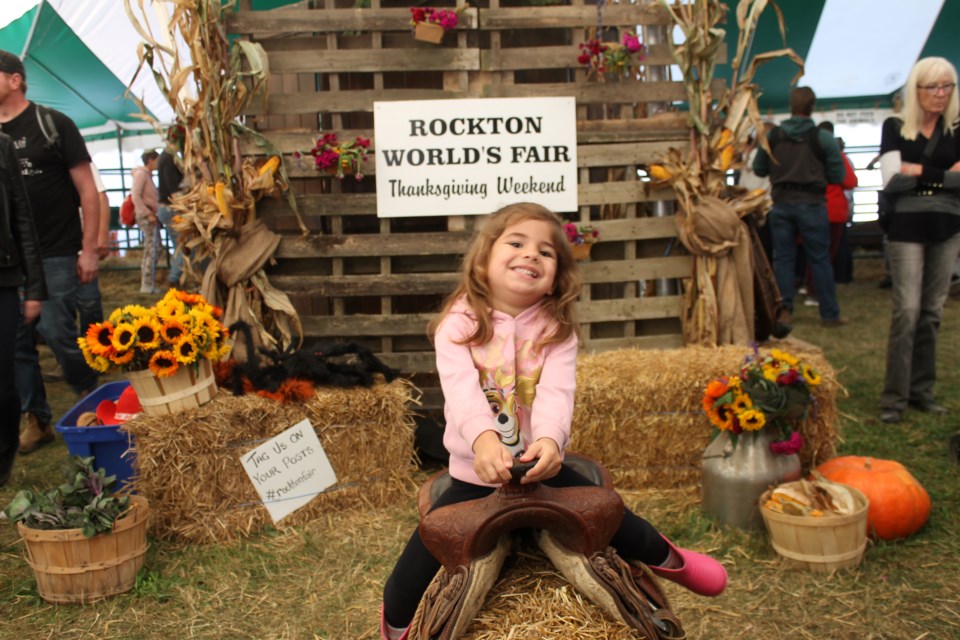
(443, 17)
(611, 57)
(580, 235)
(339, 158)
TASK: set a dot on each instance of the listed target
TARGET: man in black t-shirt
(56, 170)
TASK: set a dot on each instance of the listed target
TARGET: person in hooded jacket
(20, 266)
(806, 159)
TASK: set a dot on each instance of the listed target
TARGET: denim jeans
(89, 304)
(58, 326)
(809, 222)
(165, 216)
(921, 282)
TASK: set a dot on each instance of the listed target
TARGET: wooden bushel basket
(71, 568)
(428, 32)
(819, 544)
(189, 388)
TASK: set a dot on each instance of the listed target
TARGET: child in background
(507, 337)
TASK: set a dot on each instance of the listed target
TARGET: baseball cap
(10, 63)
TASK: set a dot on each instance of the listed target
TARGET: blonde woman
(920, 165)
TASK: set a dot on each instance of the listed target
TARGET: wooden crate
(373, 281)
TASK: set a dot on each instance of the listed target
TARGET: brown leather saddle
(573, 526)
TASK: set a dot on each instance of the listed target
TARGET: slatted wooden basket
(73, 569)
(190, 387)
(819, 544)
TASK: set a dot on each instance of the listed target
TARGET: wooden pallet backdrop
(363, 279)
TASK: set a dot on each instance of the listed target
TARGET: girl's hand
(491, 460)
(911, 169)
(548, 465)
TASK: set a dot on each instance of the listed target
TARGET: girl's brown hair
(559, 305)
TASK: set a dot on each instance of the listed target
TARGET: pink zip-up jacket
(493, 386)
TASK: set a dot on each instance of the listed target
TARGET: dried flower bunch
(612, 57)
(582, 234)
(340, 158)
(443, 17)
(771, 390)
(177, 331)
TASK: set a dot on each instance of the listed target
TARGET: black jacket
(20, 262)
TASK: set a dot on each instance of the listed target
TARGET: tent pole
(123, 173)
(33, 27)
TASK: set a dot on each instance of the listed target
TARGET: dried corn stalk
(208, 94)
(719, 129)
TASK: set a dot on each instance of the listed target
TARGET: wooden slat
(554, 57)
(598, 193)
(273, 23)
(597, 271)
(413, 324)
(411, 362)
(315, 60)
(396, 244)
(553, 17)
(663, 341)
(626, 93)
(617, 155)
(630, 309)
(367, 285)
(330, 204)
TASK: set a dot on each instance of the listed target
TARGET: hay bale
(639, 412)
(188, 464)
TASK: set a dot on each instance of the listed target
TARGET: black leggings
(636, 539)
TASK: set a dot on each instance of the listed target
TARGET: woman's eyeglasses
(937, 88)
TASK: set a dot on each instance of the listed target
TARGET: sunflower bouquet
(177, 331)
(771, 391)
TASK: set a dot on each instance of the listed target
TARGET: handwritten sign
(467, 157)
(289, 470)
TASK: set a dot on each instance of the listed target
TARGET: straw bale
(188, 464)
(639, 411)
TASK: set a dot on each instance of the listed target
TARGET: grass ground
(323, 580)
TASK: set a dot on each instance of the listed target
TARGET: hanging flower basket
(428, 32)
(581, 251)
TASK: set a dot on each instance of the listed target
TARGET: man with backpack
(805, 160)
(55, 166)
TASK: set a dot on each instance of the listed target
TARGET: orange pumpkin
(899, 505)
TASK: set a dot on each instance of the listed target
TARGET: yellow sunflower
(752, 420)
(123, 336)
(811, 376)
(121, 359)
(163, 364)
(99, 338)
(742, 402)
(172, 330)
(185, 350)
(783, 356)
(147, 330)
(97, 363)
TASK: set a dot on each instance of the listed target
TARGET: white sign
(466, 157)
(289, 470)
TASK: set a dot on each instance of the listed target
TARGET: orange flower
(99, 338)
(123, 358)
(172, 330)
(163, 364)
(717, 388)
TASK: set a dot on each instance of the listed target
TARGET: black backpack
(811, 137)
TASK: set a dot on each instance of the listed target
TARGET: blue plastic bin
(107, 444)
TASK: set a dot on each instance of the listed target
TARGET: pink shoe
(383, 628)
(700, 573)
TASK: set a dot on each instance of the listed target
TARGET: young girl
(506, 337)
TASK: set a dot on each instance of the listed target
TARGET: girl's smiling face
(522, 266)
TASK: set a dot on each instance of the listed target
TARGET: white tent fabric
(103, 25)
